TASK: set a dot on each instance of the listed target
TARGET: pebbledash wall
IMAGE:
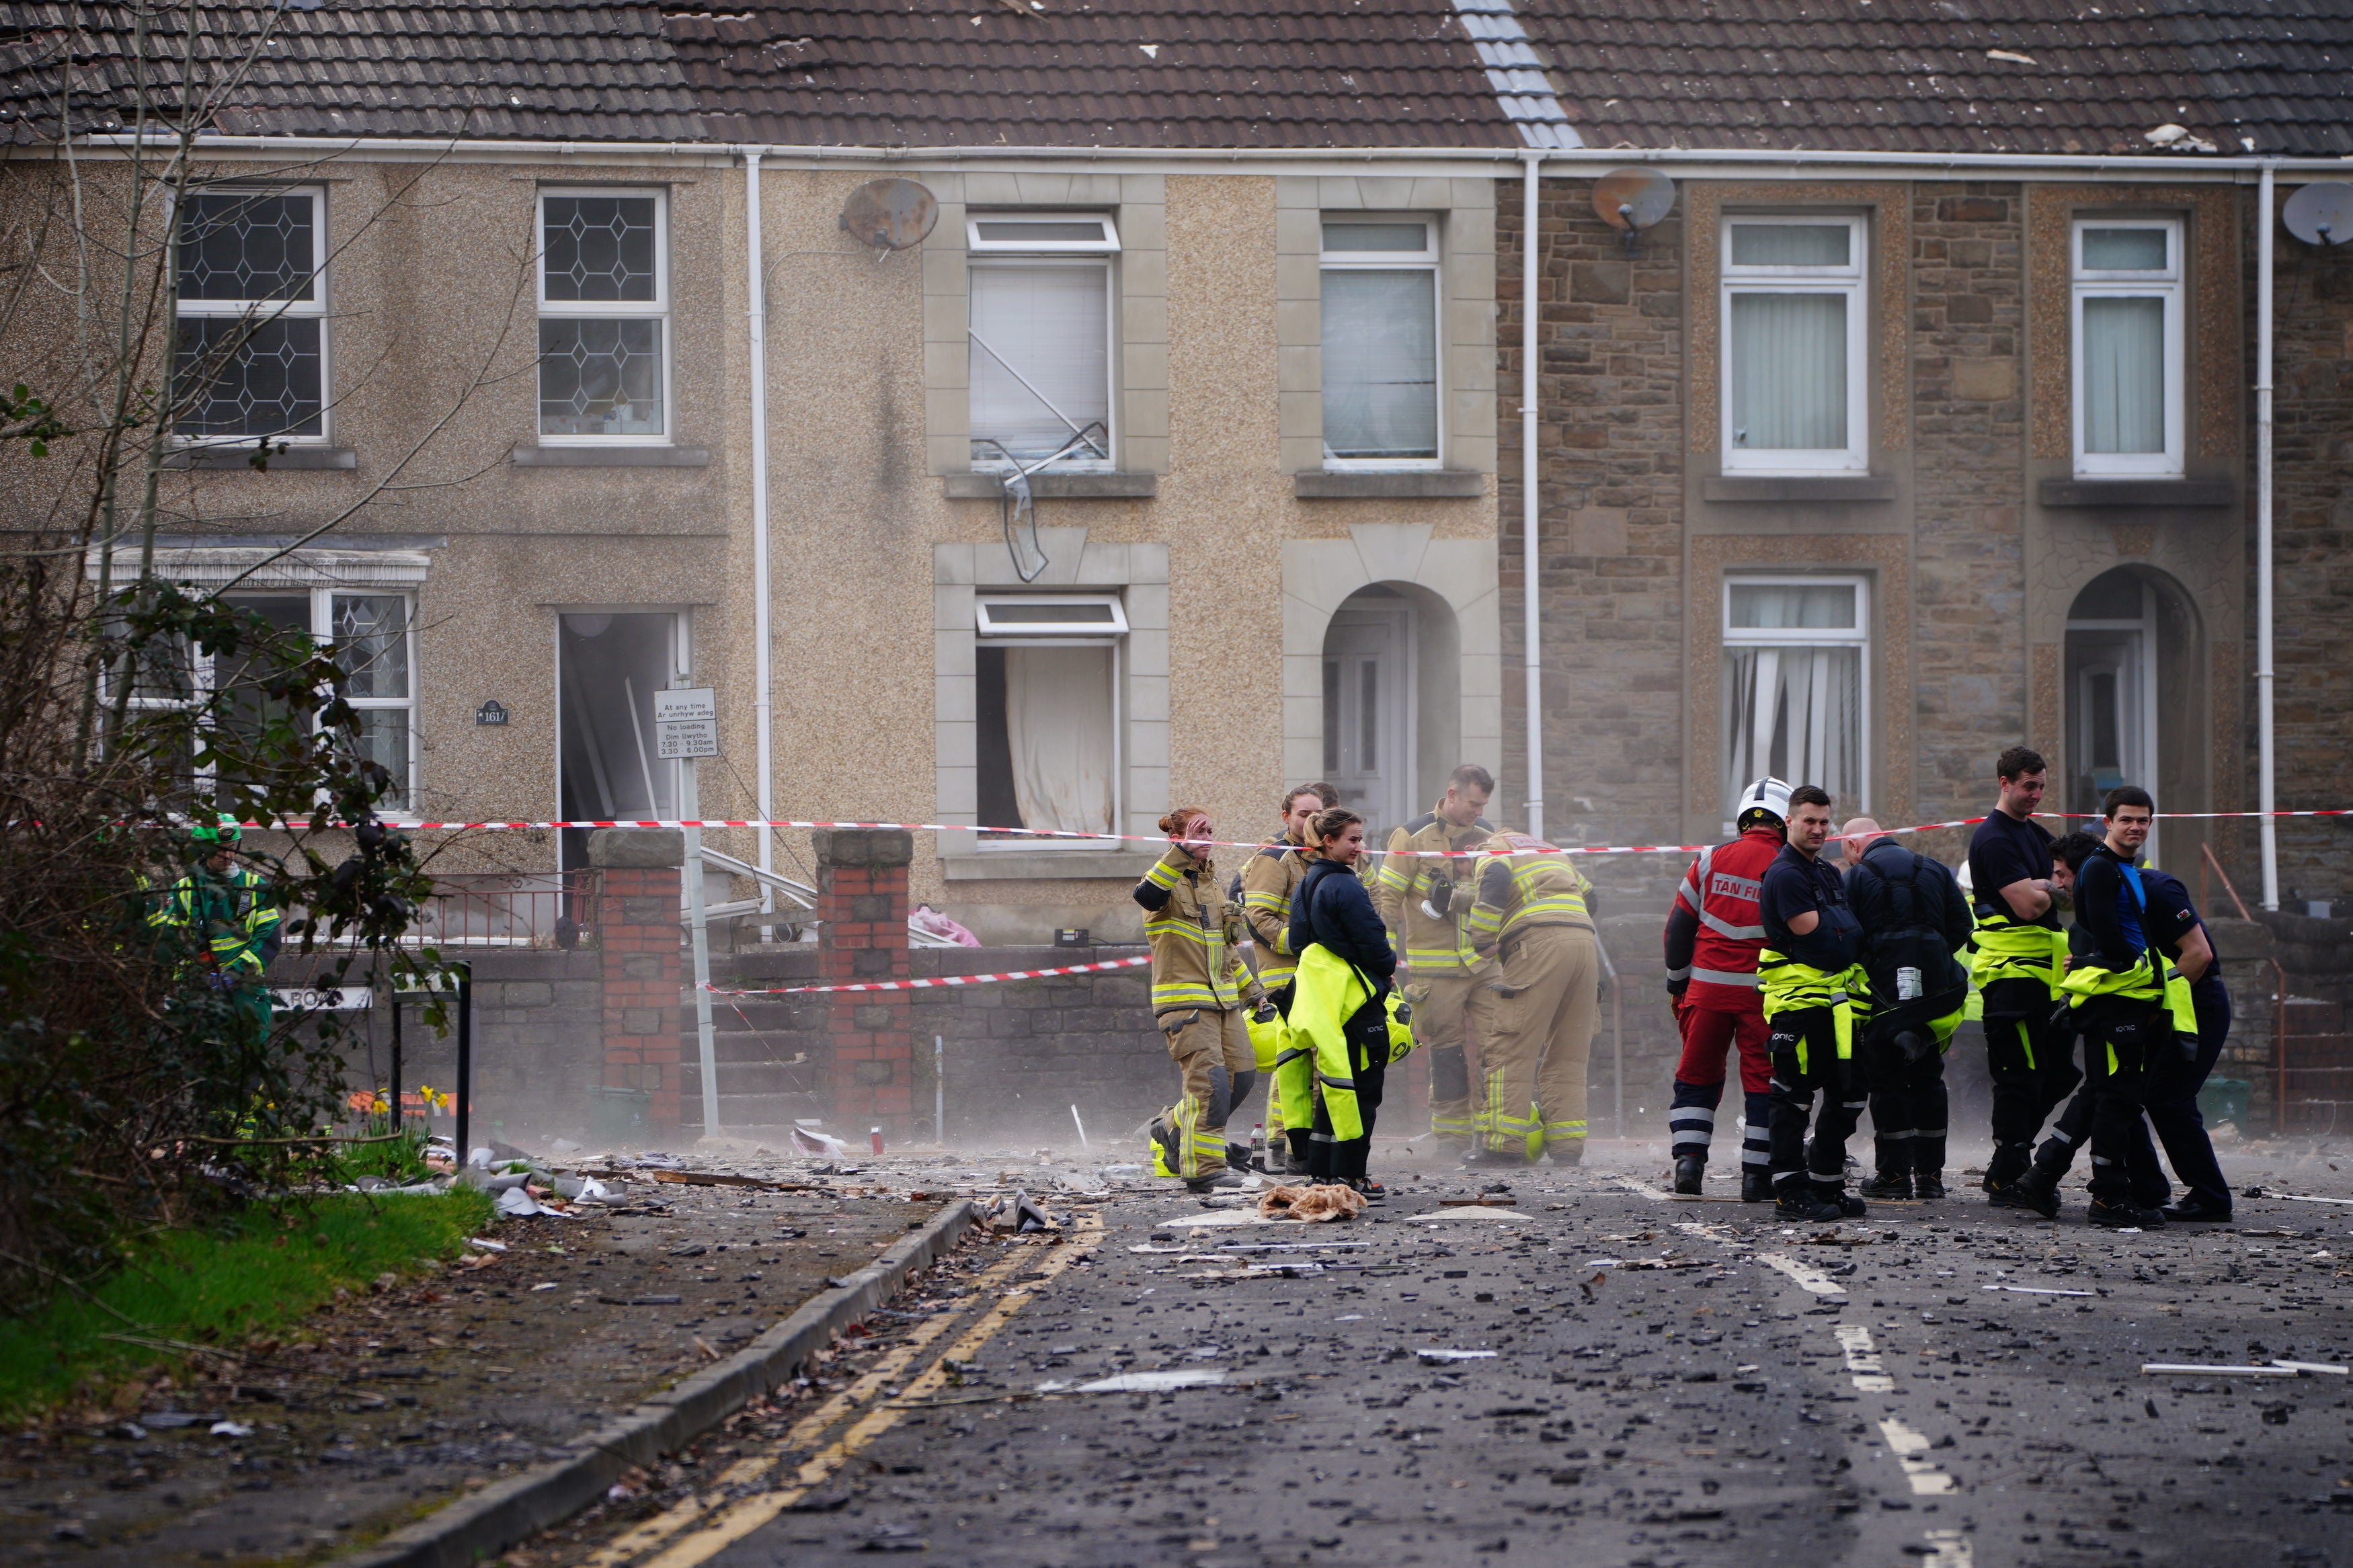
(1971, 529)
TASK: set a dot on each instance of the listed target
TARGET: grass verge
(261, 1271)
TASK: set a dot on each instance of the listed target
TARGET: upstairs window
(251, 358)
(1793, 346)
(1380, 343)
(2128, 348)
(1040, 329)
(1795, 654)
(604, 316)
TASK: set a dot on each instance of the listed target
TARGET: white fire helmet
(1767, 797)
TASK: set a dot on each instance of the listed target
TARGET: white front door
(2112, 698)
(1368, 702)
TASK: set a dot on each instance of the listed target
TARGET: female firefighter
(1341, 1000)
(1199, 984)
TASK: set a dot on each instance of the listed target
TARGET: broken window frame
(656, 310)
(1112, 636)
(1007, 254)
(1426, 259)
(256, 315)
(2166, 285)
(1849, 281)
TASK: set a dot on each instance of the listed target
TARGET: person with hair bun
(1339, 1001)
(1268, 881)
(1199, 986)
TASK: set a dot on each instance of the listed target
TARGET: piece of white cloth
(1058, 726)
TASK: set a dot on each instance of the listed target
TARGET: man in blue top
(1814, 994)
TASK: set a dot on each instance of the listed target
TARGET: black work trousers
(2120, 1038)
(2170, 1103)
(2032, 1062)
(1331, 1159)
(1907, 1113)
(1797, 1076)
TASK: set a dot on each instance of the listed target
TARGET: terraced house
(1031, 416)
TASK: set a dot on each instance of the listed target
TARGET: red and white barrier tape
(1047, 833)
(943, 980)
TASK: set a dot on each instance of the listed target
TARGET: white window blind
(2128, 413)
(1041, 360)
(1795, 704)
(1793, 346)
(1380, 344)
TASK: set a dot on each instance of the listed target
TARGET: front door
(1368, 710)
(2111, 698)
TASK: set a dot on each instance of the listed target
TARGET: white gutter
(757, 352)
(2266, 792)
(1530, 594)
(1692, 160)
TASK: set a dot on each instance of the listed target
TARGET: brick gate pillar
(861, 903)
(637, 940)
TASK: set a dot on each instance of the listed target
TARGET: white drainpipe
(2266, 793)
(1531, 606)
(757, 345)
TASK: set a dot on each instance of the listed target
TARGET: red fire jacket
(1714, 932)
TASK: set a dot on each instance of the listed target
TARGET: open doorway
(608, 665)
(2136, 706)
(1369, 699)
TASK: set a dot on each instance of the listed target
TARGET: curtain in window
(1040, 365)
(1057, 728)
(1380, 365)
(2124, 376)
(1788, 372)
(1795, 713)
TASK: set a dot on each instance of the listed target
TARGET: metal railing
(545, 909)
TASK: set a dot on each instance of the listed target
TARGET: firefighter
(1345, 1001)
(1447, 983)
(1915, 921)
(1814, 990)
(1712, 940)
(1265, 887)
(1200, 989)
(2018, 954)
(224, 916)
(1530, 914)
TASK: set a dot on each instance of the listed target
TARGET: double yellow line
(691, 1532)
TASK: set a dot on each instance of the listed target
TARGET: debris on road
(1434, 1355)
(1312, 1204)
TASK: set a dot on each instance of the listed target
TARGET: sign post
(686, 727)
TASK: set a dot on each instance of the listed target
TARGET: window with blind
(1380, 343)
(1040, 292)
(1794, 333)
(250, 359)
(1795, 692)
(2128, 384)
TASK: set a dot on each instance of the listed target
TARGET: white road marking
(1808, 1277)
(1863, 1360)
(1634, 1185)
(1907, 1446)
(1948, 1549)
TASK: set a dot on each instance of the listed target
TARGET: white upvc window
(2127, 327)
(1041, 306)
(249, 356)
(1381, 314)
(1794, 335)
(1049, 716)
(604, 317)
(1796, 685)
(374, 637)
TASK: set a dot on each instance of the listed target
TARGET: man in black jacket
(1914, 919)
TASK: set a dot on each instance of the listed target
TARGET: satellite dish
(1633, 199)
(2321, 214)
(890, 215)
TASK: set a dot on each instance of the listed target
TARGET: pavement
(1575, 1368)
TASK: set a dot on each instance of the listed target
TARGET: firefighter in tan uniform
(1446, 981)
(1531, 911)
(1267, 882)
(1200, 988)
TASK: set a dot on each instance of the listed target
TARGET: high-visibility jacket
(1330, 991)
(2004, 947)
(1434, 945)
(1194, 934)
(1268, 879)
(226, 916)
(1717, 905)
(1790, 986)
(1524, 882)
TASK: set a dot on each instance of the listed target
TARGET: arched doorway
(2134, 697)
(1391, 718)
